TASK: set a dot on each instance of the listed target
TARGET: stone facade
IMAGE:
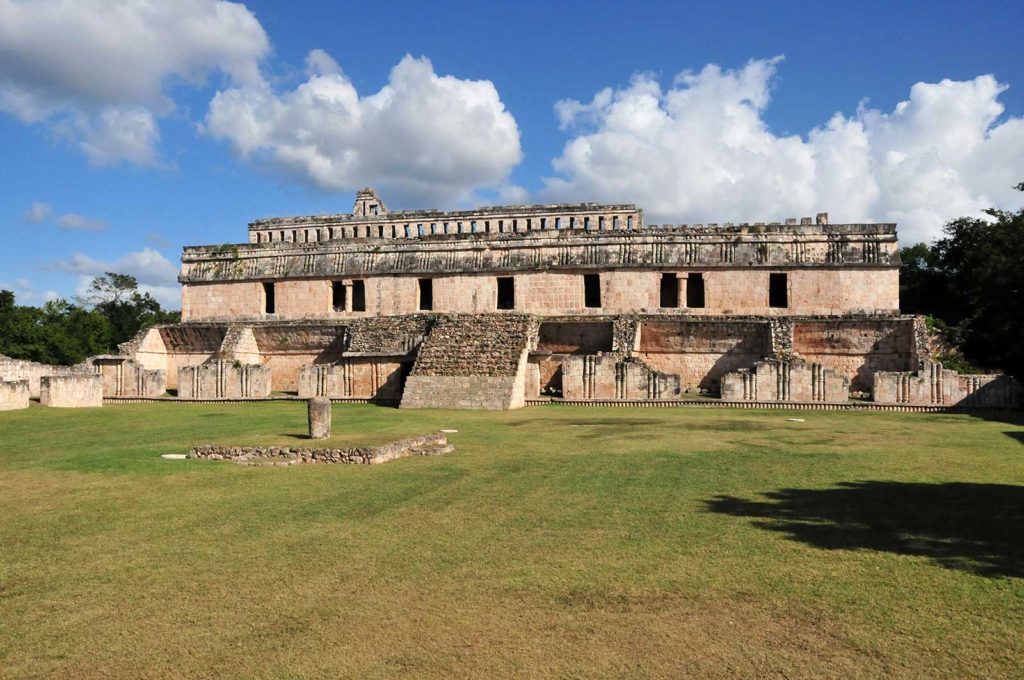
(935, 385)
(487, 308)
(219, 379)
(14, 394)
(71, 391)
(786, 380)
(123, 377)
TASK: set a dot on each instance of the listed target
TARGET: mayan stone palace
(492, 307)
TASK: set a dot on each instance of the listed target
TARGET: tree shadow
(978, 528)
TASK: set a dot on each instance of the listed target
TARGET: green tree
(117, 297)
(972, 280)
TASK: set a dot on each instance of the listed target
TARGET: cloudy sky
(130, 128)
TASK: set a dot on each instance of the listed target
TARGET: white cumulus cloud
(155, 273)
(423, 138)
(38, 212)
(700, 151)
(98, 71)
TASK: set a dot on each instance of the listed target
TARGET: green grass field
(555, 542)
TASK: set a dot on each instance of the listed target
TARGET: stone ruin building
(492, 307)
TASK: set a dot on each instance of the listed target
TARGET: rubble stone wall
(17, 369)
(14, 394)
(71, 391)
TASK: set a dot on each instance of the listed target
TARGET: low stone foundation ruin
(936, 385)
(14, 394)
(71, 391)
(424, 445)
(219, 379)
(786, 380)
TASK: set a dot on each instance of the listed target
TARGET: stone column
(348, 296)
(319, 418)
(681, 290)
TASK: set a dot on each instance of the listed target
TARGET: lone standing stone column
(319, 418)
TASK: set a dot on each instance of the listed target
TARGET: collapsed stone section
(786, 380)
(472, 361)
(14, 394)
(18, 369)
(124, 377)
(935, 385)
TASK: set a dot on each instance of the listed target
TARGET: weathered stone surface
(71, 391)
(935, 385)
(223, 380)
(319, 412)
(786, 380)
(14, 394)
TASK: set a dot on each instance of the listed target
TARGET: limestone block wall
(17, 369)
(610, 376)
(728, 291)
(223, 380)
(701, 351)
(935, 385)
(857, 347)
(71, 391)
(360, 377)
(123, 377)
(14, 394)
(786, 380)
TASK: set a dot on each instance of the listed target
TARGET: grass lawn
(555, 542)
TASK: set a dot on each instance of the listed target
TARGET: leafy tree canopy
(972, 282)
(63, 332)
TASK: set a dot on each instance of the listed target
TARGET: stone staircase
(471, 361)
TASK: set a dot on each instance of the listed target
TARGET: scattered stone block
(319, 418)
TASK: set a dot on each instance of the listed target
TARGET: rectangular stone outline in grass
(434, 444)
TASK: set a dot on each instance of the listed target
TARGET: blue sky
(125, 141)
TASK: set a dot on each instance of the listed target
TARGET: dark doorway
(695, 291)
(592, 290)
(426, 294)
(338, 296)
(778, 290)
(506, 292)
(268, 298)
(358, 296)
(669, 291)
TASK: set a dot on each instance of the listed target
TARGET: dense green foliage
(562, 542)
(972, 285)
(62, 332)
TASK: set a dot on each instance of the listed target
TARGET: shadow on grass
(978, 528)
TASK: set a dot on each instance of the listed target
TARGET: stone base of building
(501, 360)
